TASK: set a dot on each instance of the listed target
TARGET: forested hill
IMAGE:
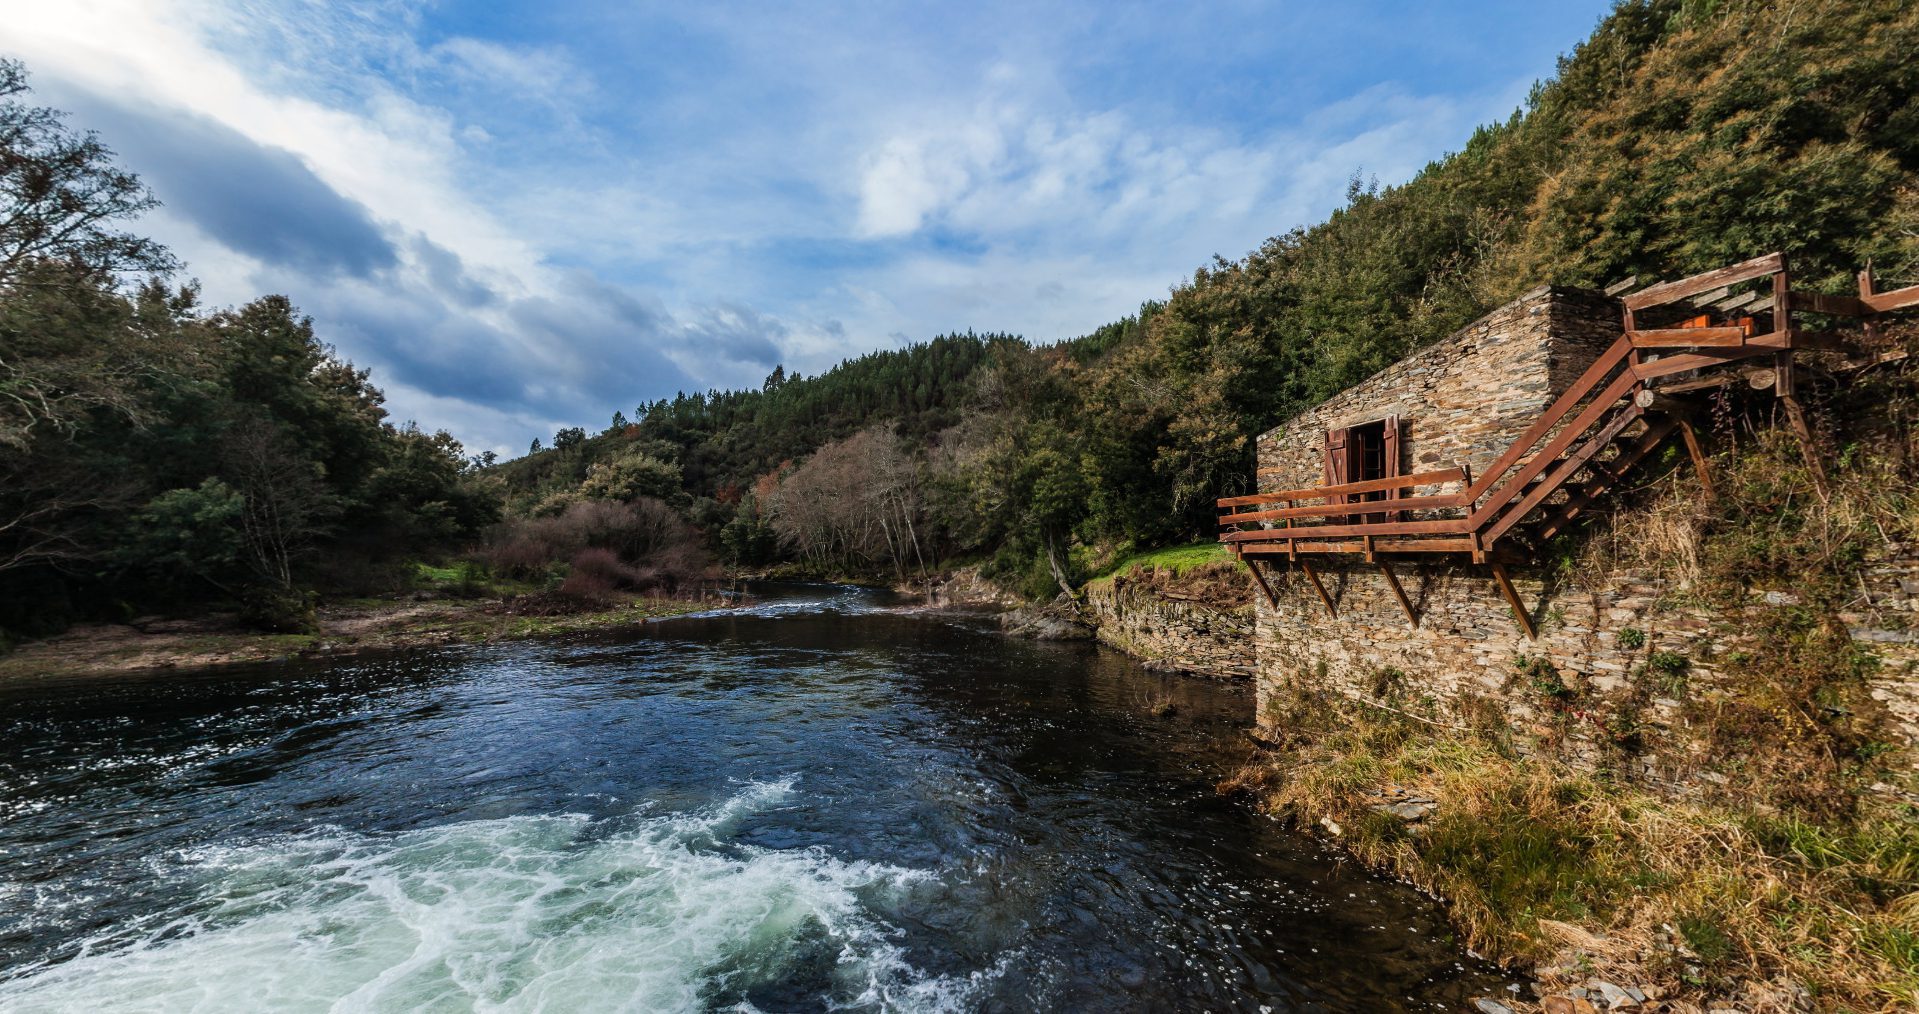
(158, 454)
(1682, 135)
(716, 442)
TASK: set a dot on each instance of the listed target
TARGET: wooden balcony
(1620, 410)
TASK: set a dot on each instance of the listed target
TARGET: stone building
(1463, 401)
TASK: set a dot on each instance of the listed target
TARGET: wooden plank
(1621, 285)
(1391, 448)
(1363, 486)
(1563, 471)
(1735, 302)
(1666, 366)
(1824, 341)
(1313, 576)
(1392, 581)
(1839, 306)
(1685, 337)
(1379, 546)
(1327, 510)
(1446, 527)
(1667, 292)
(1512, 600)
(1897, 299)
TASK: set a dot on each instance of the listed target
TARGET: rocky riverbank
(152, 644)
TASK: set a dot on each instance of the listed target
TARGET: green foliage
(188, 532)
(1543, 677)
(156, 455)
(1632, 638)
(1679, 137)
(633, 473)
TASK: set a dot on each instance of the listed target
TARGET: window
(1359, 453)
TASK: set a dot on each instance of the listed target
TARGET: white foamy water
(553, 913)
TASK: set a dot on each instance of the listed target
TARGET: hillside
(1678, 137)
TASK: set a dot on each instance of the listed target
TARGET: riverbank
(157, 644)
(1615, 898)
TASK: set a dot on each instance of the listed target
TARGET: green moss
(1175, 559)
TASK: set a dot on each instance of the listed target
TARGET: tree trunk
(1059, 573)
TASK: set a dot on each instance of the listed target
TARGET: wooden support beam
(1392, 581)
(1698, 457)
(1866, 292)
(1313, 576)
(1253, 565)
(1808, 446)
(1512, 599)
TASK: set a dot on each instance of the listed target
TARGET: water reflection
(831, 799)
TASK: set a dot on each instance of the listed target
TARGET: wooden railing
(1568, 437)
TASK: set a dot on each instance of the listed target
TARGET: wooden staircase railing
(1538, 477)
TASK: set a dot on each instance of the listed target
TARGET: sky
(525, 216)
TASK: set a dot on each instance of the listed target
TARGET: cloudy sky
(528, 215)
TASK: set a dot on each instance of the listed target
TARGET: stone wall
(1169, 633)
(1468, 646)
(1463, 399)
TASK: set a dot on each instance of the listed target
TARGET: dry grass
(1700, 899)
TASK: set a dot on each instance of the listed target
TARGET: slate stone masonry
(1464, 400)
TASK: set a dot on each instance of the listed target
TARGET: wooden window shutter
(1336, 462)
(1392, 460)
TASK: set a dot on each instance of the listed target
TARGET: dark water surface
(825, 802)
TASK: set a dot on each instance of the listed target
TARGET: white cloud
(717, 189)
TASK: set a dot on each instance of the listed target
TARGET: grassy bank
(1784, 874)
(1173, 560)
(1584, 878)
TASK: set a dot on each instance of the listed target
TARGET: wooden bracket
(1698, 457)
(1253, 565)
(1313, 576)
(1392, 581)
(1512, 599)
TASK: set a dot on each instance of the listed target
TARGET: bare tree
(287, 506)
(60, 193)
(858, 502)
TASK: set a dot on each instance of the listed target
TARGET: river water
(829, 801)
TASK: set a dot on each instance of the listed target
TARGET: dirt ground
(157, 643)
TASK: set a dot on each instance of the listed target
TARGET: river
(828, 801)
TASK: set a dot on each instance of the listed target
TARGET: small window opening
(1362, 453)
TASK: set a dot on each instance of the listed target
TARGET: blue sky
(525, 216)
